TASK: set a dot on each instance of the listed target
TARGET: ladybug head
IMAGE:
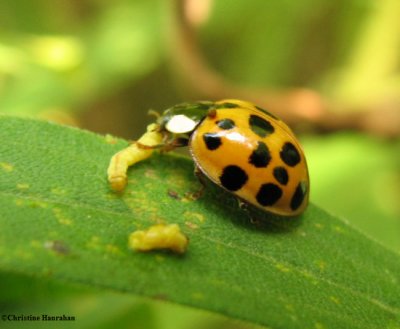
(184, 118)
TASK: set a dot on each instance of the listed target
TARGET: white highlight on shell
(180, 124)
(236, 137)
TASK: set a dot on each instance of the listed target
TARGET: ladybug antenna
(153, 113)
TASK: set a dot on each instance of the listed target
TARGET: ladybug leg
(197, 194)
(136, 152)
(175, 142)
(246, 208)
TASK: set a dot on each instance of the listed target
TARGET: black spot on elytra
(281, 175)
(260, 126)
(266, 112)
(268, 194)
(212, 140)
(226, 124)
(233, 178)
(289, 154)
(298, 196)
(260, 156)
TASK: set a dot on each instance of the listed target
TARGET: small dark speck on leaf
(58, 247)
(173, 194)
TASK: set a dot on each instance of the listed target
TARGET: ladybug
(237, 145)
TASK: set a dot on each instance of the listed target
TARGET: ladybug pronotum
(237, 145)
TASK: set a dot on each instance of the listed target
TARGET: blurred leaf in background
(282, 43)
(57, 68)
(358, 178)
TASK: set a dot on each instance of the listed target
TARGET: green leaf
(58, 218)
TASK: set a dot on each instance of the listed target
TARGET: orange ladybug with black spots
(241, 148)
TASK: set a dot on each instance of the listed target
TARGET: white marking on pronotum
(180, 124)
(236, 137)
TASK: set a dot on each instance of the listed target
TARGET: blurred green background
(101, 65)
